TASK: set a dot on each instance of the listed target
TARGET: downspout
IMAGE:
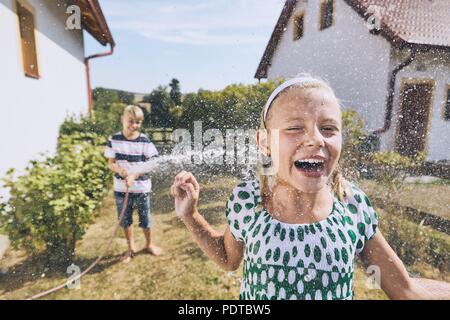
(390, 100)
(99, 55)
(88, 75)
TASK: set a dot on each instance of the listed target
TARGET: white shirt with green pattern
(299, 261)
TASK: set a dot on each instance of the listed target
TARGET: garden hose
(100, 257)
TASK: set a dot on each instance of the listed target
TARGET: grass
(431, 197)
(183, 272)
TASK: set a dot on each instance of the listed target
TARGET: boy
(124, 150)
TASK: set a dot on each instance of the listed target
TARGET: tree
(161, 105)
(235, 107)
(108, 108)
(103, 98)
(175, 92)
(125, 97)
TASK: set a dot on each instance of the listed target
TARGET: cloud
(183, 8)
(203, 38)
(218, 22)
(173, 53)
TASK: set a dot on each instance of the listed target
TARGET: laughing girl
(300, 226)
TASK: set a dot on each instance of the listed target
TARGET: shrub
(390, 169)
(52, 204)
(414, 243)
(354, 138)
(73, 124)
(103, 123)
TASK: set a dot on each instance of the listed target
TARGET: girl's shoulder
(361, 212)
(356, 196)
(241, 204)
(245, 195)
(247, 189)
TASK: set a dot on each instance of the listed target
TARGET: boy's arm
(143, 168)
(150, 152)
(112, 165)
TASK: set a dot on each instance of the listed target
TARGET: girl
(300, 226)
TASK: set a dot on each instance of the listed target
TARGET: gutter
(390, 100)
(88, 75)
(105, 31)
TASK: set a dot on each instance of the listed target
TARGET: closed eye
(294, 129)
(330, 129)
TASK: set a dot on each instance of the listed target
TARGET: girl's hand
(185, 190)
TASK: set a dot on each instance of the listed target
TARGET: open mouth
(310, 165)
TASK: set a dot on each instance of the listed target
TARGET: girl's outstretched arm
(223, 249)
(394, 279)
(438, 289)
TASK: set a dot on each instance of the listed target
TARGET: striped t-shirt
(128, 155)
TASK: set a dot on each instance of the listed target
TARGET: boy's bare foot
(154, 250)
(128, 256)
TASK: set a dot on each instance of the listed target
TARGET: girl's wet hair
(303, 81)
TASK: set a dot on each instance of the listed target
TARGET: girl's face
(310, 138)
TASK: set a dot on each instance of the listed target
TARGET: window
(326, 14)
(28, 41)
(447, 105)
(299, 26)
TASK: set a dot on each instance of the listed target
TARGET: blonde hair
(338, 184)
(134, 111)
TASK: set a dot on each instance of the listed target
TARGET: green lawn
(183, 272)
(429, 197)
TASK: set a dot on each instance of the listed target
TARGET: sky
(206, 44)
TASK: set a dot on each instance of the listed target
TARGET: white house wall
(433, 65)
(33, 109)
(353, 61)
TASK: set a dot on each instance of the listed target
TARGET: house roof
(424, 22)
(94, 21)
(277, 32)
(413, 22)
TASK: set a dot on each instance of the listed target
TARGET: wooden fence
(160, 135)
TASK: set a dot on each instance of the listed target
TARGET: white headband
(283, 86)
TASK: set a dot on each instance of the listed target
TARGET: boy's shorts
(139, 201)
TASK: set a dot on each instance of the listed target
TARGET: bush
(390, 169)
(354, 152)
(51, 205)
(73, 124)
(414, 243)
(2, 211)
(103, 123)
